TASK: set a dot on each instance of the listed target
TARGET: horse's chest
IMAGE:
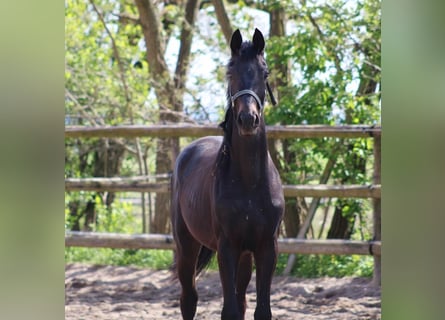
(246, 211)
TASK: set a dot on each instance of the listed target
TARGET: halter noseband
(244, 92)
(254, 95)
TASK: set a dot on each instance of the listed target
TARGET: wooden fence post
(377, 209)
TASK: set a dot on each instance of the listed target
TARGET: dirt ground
(110, 292)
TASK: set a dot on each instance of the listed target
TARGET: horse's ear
(235, 42)
(258, 41)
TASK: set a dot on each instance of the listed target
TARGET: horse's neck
(249, 158)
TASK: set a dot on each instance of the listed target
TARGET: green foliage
(332, 51)
(312, 266)
(101, 83)
(103, 86)
(120, 219)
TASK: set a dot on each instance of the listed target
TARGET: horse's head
(247, 76)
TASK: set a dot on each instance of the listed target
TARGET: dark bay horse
(227, 195)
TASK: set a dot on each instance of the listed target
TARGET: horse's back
(196, 158)
(192, 183)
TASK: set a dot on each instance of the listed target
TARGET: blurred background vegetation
(151, 62)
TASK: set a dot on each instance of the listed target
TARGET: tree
(102, 87)
(169, 89)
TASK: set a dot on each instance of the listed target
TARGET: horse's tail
(204, 257)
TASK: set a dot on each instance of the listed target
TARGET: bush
(313, 266)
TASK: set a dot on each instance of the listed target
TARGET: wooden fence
(165, 241)
(301, 246)
(187, 130)
(141, 184)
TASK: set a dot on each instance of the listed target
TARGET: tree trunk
(279, 81)
(223, 19)
(168, 90)
(167, 151)
(90, 216)
(294, 210)
(291, 219)
(341, 226)
(74, 215)
(344, 219)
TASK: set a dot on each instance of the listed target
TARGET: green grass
(307, 266)
(154, 259)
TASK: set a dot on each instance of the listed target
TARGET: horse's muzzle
(248, 123)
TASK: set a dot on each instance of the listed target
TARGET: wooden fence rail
(141, 184)
(187, 130)
(165, 241)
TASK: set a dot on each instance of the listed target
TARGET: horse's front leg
(265, 261)
(187, 250)
(242, 280)
(228, 263)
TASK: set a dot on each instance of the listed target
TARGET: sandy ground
(110, 292)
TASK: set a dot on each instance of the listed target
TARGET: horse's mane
(226, 126)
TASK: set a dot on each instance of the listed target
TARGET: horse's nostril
(257, 121)
(240, 121)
